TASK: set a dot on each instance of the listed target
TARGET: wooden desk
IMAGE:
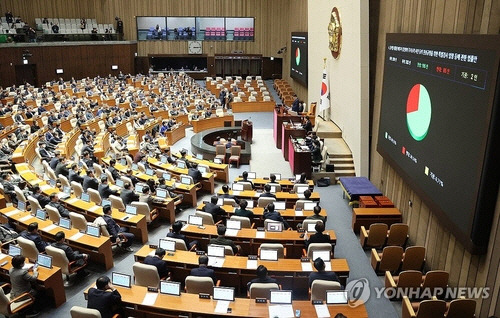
(212, 122)
(278, 118)
(368, 216)
(67, 147)
(93, 125)
(101, 145)
(300, 160)
(98, 248)
(147, 127)
(221, 169)
(247, 239)
(289, 198)
(175, 135)
(121, 128)
(242, 107)
(288, 131)
(190, 305)
(25, 152)
(234, 271)
(51, 280)
(285, 183)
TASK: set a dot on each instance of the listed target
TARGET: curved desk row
(289, 198)
(212, 122)
(286, 184)
(221, 169)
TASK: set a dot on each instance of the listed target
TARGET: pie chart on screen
(418, 112)
(297, 56)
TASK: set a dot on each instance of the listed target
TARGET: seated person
(318, 237)
(271, 214)
(89, 181)
(176, 233)
(226, 195)
(262, 277)
(307, 194)
(127, 194)
(74, 174)
(117, 234)
(319, 264)
(43, 200)
(104, 189)
(203, 270)
(213, 208)
(21, 281)
(114, 173)
(244, 178)
(31, 233)
(146, 197)
(157, 261)
(267, 192)
(131, 176)
(194, 172)
(222, 240)
(104, 298)
(54, 202)
(73, 256)
(242, 211)
(303, 179)
(316, 216)
(307, 125)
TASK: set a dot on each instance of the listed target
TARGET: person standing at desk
(295, 104)
(104, 298)
(203, 270)
(242, 211)
(271, 214)
(319, 264)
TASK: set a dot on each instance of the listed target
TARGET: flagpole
(323, 111)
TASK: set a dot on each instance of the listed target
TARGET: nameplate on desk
(72, 200)
(261, 300)
(200, 253)
(301, 230)
(204, 296)
(299, 213)
(76, 236)
(306, 266)
(231, 232)
(49, 228)
(25, 218)
(305, 259)
(153, 246)
(317, 302)
(260, 234)
(252, 257)
(152, 289)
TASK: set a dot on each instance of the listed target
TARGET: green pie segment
(418, 112)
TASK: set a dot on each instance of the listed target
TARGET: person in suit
(226, 195)
(319, 264)
(44, 153)
(307, 125)
(176, 233)
(89, 162)
(262, 277)
(117, 234)
(202, 270)
(104, 298)
(318, 237)
(104, 189)
(31, 233)
(61, 167)
(271, 214)
(131, 176)
(55, 160)
(42, 199)
(157, 261)
(127, 194)
(242, 211)
(267, 192)
(146, 197)
(316, 216)
(74, 174)
(54, 202)
(89, 181)
(213, 208)
(9, 186)
(244, 178)
(222, 240)
(21, 281)
(78, 258)
(316, 151)
(194, 172)
(114, 173)
(296, 104)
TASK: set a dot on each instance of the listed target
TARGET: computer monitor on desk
(283, 297)
(170, 288)
(120, 279)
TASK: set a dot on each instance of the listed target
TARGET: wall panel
(443, 250)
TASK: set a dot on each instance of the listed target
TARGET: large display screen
(298, 59)
(438, 125)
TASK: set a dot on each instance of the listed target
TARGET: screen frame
(163, 282)
(224, 288)
(280, 291)
(129, 279)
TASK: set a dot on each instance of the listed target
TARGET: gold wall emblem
(335, 33)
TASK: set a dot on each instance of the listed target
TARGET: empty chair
(53, 213)
(98, 170)
(262, 202)
(77, 189)
(267, 221)
(247, 186)
(180, 244)
(35, 205)
(117, 203)
(220, 153)
(398, 235)
(28, 248)
(374, 237)
(59, 259)
(436, 279)
(461, 308)
(110, 176)
(235, 155)
(82, 312)
(319, 247)
(388, 260)
(64, 181)
(19, 194)
(143, 208)
(274, 246)
(319, 288)
(207, 217)
(299, 205)
(94, 196)
(244, 221)
(196, 285)
(78, 221)
(227, 249)
(19, 304)
(405, 279)
(413, 258)
(425, 309)
(228, 201)
(146, 275)
(261, 290)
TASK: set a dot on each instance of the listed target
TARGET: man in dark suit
(213, 208)
(78, 258)
(61, 168)
(32, 234)
(131, 176)
(267, 192)
(127, 194)
(271, 214)
(157, 261)
(105, 298)
(104, 189)
(42, 199)
(307, 125)
(74, 174)
(316, 216)
(194, 172)
(54, 202)
(242, 211)
(296, 104)
(44, 153)
(226, 195)
(176, 233)
(318, 237)
(262, 277)
(88, 160)
(89, 181)
(55, 160)
(116, 233)
(222, 240)
(203, 270)
(244, 178)
(319, 264)
(114, 173)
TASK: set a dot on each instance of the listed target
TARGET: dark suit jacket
(60, 208)
(53, 162)
(204, 271)
(42, 199)
(105, 191)
(114, 173)
(264, 280)
(104, 301)
(160, 264)
(224, 241)
(37, 239)
(128, 196)
(276, 216)
(267, 195)
(318, 238)
(70, 254)
(89, 182)
(74, 176)
(331, 276)
(44, 153)
(215, 210)
(195, 174)
(245, 213)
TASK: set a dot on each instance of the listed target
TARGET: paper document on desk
(222, 306)
(236, 192)
(149, 299)
(252, 264)
(215, 261)
(322, 311)
(281, 311)
(260, 234)
(2, 256)
(94, 208)
(328, 266)
(28, 265)
(44, 187)
(300, 196)
(306, 266)
(49, 228)
(299, 213)
(305, 148)
(231, 232)
(72, 200)
(25, 218)
(76, 236)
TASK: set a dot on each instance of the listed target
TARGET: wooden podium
(247, 130)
